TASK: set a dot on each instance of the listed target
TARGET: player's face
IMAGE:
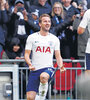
(45, 24)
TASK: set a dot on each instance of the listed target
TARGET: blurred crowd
(20, 18)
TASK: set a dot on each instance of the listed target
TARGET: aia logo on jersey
(43, 49)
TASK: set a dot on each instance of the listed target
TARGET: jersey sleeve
(85, 20)
(57, 44)
(28, 45)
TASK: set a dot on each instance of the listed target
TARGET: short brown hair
(43, 15)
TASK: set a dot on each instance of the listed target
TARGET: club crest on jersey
(43, 49)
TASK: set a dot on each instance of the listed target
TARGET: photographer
(17, 26)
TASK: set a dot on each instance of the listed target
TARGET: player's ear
(40, 24)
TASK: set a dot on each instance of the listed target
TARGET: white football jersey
(42, 49)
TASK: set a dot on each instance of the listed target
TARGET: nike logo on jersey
(43, 49)
(36, 41)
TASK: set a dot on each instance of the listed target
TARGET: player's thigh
(46, 75)
(31, 95)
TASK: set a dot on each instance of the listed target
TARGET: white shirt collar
(67, 7)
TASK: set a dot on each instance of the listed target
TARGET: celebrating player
(43, 45)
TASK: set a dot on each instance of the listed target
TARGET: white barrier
(8, 68)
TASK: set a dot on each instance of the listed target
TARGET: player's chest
(43, 45)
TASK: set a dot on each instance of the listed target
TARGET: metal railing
(22, 79)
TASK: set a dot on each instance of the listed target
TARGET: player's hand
(62, 69)
(31, 67)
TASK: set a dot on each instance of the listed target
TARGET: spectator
(70, 36)
(81, 39)
(3, 21)
(35, 18)
(58, 18)
(69, 9)
(17, 26)
(13, 49)
(57, 13)
(29, 21)
(41, 7)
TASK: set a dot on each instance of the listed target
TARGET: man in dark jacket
(41, 7)
(70, 43)
(69, 9)
(82, 38)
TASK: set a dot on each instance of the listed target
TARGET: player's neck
(44, 33)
